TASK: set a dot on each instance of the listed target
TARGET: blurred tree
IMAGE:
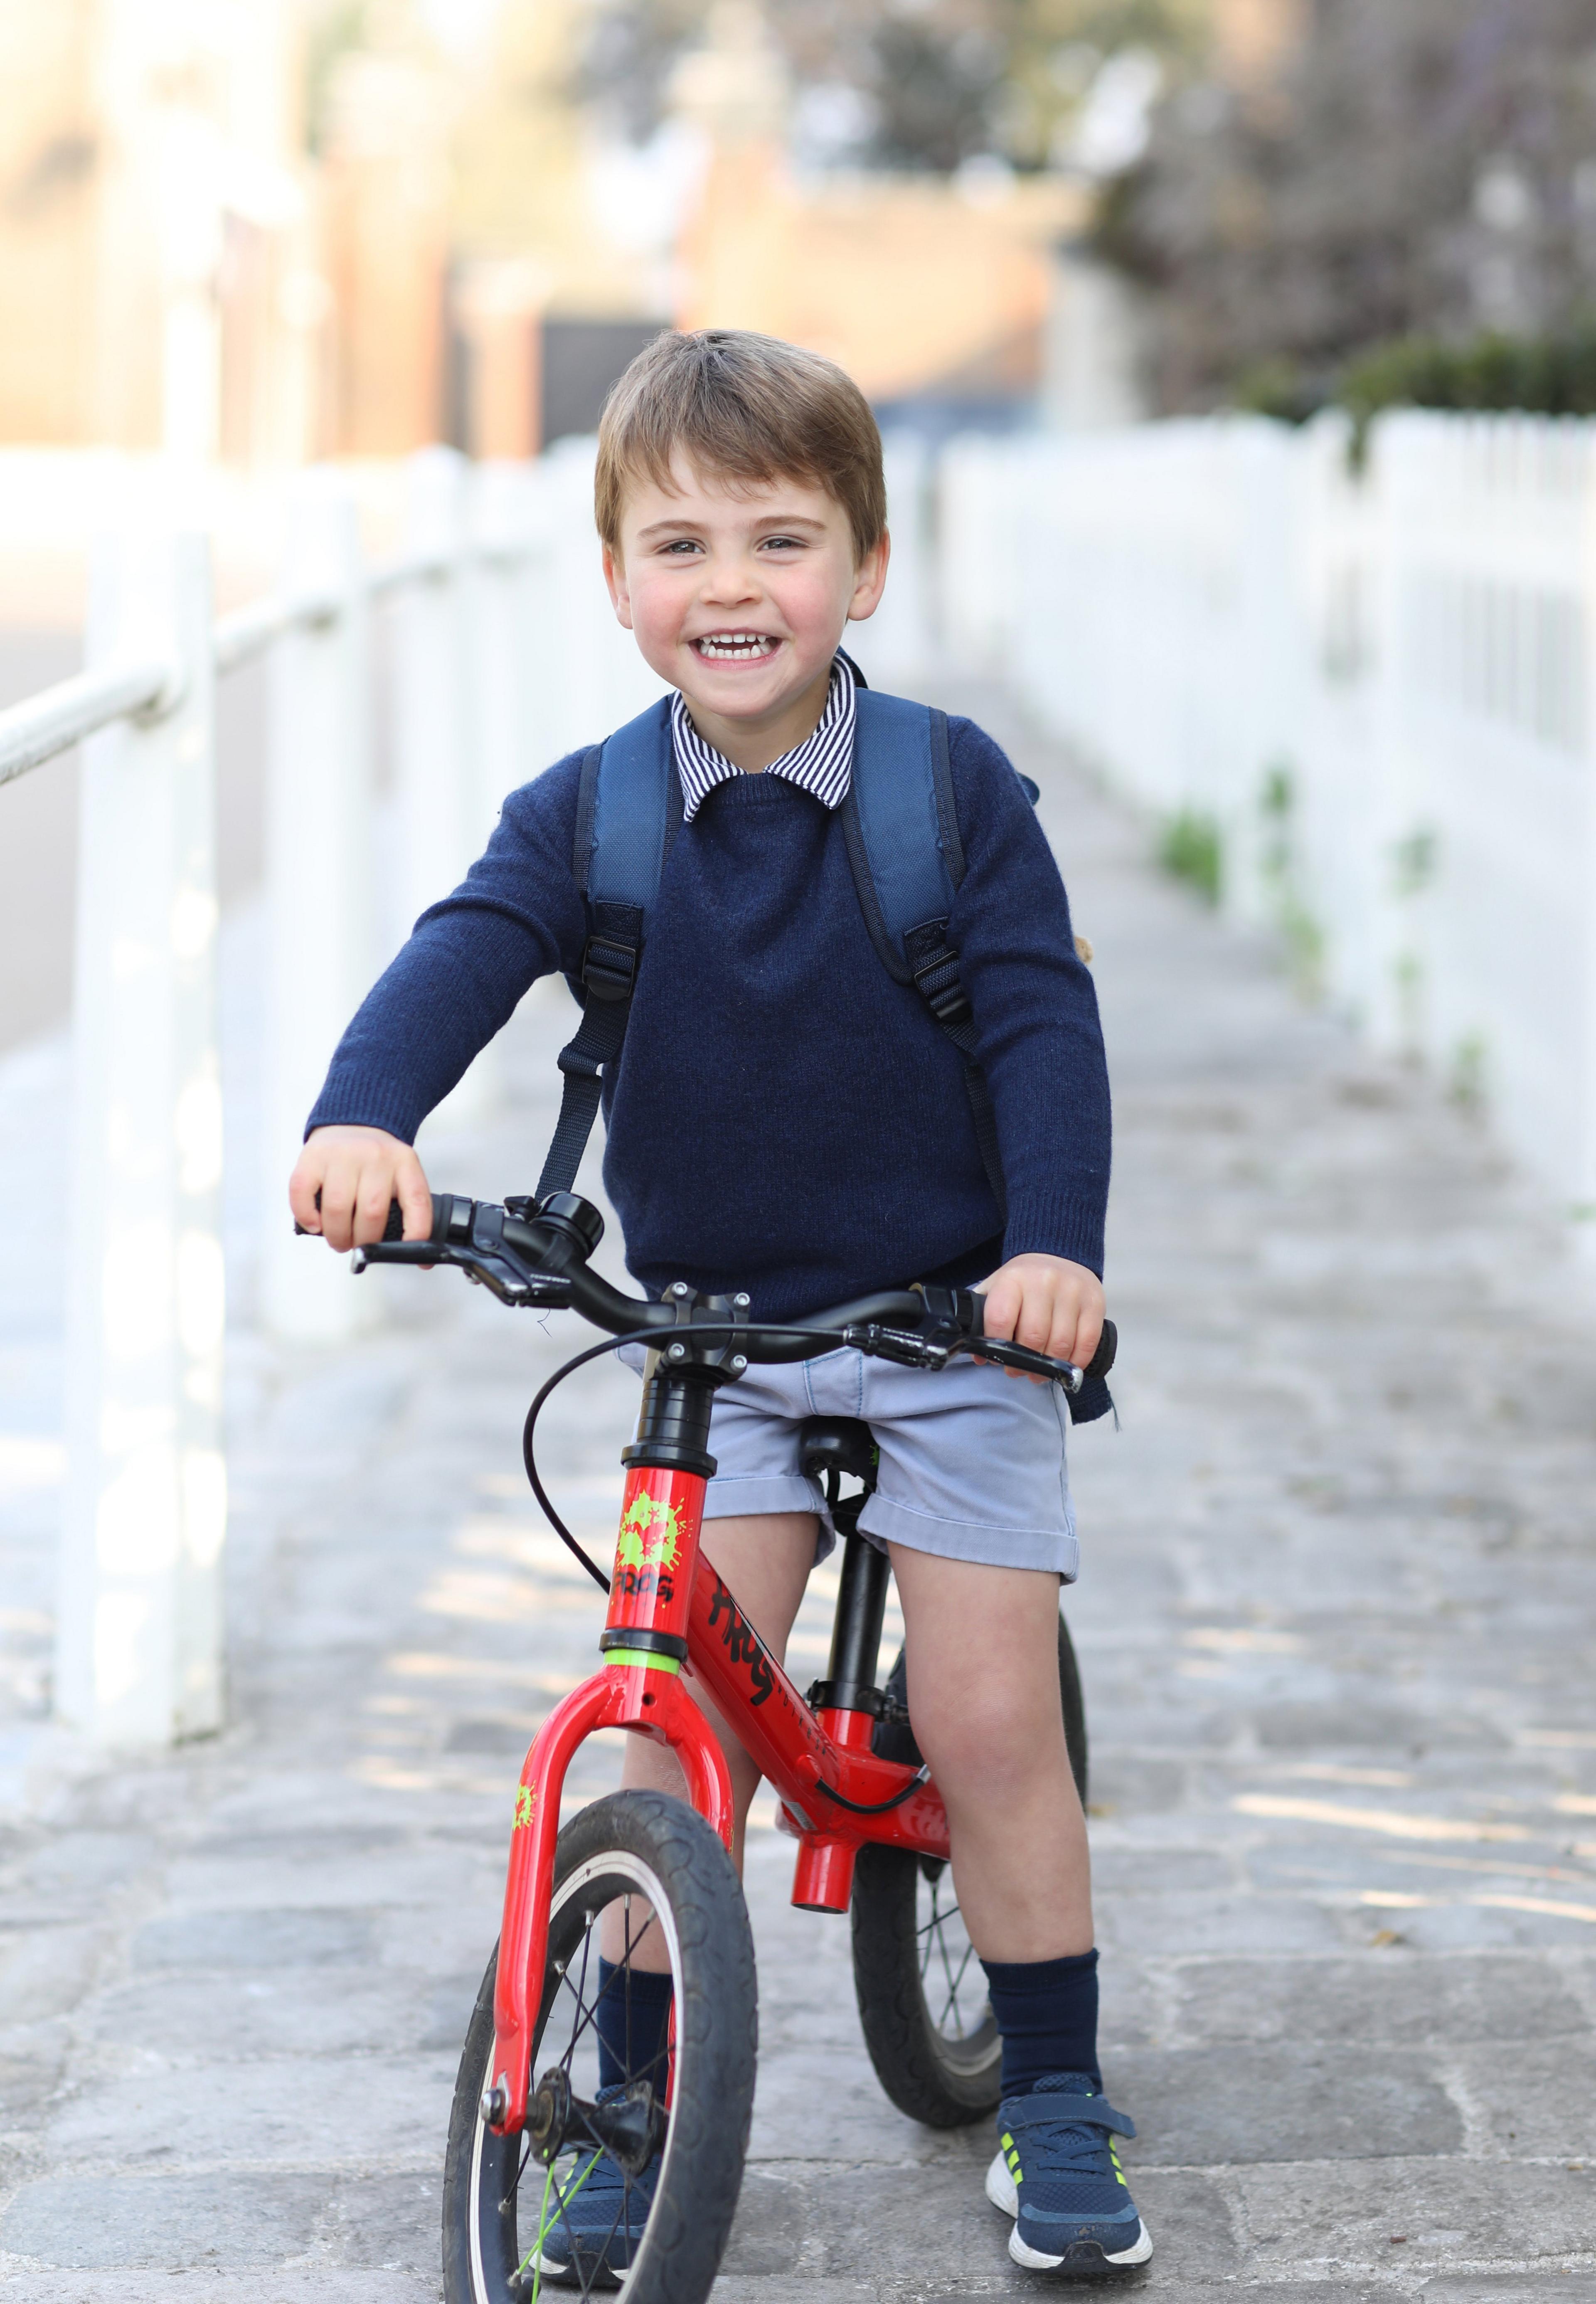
(899, 84)
(1417, 167)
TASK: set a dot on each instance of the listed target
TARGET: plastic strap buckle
(608, 968)
(937, 981)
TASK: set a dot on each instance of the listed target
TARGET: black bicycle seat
(837, 1444)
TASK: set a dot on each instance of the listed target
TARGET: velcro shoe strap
(1041, 2110)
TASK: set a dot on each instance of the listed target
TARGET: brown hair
(743, 407)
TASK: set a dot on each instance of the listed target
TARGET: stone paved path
(1336, 1627)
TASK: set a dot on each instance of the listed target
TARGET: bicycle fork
(637, 1687)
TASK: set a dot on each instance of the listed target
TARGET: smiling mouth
(735, 648)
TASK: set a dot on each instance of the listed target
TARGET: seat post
(850, 1682)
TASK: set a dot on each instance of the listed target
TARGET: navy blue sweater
(786, 1119)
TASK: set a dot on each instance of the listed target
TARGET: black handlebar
(536, 1254)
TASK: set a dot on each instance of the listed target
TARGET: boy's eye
(679, 544)
(783, 542)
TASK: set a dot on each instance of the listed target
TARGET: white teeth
(735, 644)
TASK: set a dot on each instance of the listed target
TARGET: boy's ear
(870, 580)
(614, 576)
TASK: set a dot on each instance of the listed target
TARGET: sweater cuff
(331, 1112)
(1044, 1224)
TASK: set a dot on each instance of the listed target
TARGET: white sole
(1034, 2260)
(1004, 2193)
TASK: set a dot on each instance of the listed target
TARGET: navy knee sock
(633, 2022)
(1047, 2011)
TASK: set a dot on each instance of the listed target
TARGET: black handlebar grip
(393, 1230)
(1102, 1359)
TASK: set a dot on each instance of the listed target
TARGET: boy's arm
(517, 916)
(1041, 1048)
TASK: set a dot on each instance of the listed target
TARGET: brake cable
(650, 1337)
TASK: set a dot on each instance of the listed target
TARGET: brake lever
(1003, 1354)
(542, 1291)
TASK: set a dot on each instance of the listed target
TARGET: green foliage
(1276, 387)
(1545, 375)
(1189, 849)
(1534, 376)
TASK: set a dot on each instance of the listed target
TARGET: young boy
(789, 1120)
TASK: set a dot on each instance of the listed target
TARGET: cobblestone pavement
(1335, 1625)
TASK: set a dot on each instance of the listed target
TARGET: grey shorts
(972, 1461)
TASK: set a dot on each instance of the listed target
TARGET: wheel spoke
(935, 1946)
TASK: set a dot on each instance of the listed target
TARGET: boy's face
(738, 594)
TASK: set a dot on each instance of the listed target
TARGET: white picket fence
(1372, 687)
(504, 654)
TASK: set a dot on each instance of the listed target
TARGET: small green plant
(1304, 941)
(1278, 797)
(1278, 870)
(1414, 860)
(1189, 849)
(1407, 971)
(1466, 1081)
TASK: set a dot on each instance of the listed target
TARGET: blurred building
(157, 283)
(267, 229)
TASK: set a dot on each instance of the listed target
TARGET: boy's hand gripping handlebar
(536, 1253)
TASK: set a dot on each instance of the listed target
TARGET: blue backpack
(903, 842)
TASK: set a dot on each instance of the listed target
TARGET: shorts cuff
(1054, 1551)
(763, 1492)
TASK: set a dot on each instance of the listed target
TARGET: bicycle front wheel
(921, 1990)
(515, 2229)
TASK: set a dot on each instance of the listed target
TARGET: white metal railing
(1373, 679)
(507, 654)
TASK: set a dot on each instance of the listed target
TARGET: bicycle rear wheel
(922, 1993)
(513, 2229)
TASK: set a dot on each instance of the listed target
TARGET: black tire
(922, 2001)
(638, 1844)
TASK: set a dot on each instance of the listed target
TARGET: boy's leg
(983, 1692)
(982, 1646)
(765, 1559)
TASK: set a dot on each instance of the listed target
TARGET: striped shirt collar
(823, 764)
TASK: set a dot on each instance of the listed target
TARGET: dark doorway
(581, 358)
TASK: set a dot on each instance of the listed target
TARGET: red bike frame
(661, 1587)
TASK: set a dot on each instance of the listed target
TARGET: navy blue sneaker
(1057, 2174)
(596, 2217)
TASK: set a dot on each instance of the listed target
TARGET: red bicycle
(669, 2137)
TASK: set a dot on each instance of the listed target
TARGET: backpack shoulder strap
(901, 833)
(898, 820)
(628, 806)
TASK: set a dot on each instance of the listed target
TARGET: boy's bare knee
(989, 1732)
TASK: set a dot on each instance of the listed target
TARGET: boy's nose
(729, 581)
